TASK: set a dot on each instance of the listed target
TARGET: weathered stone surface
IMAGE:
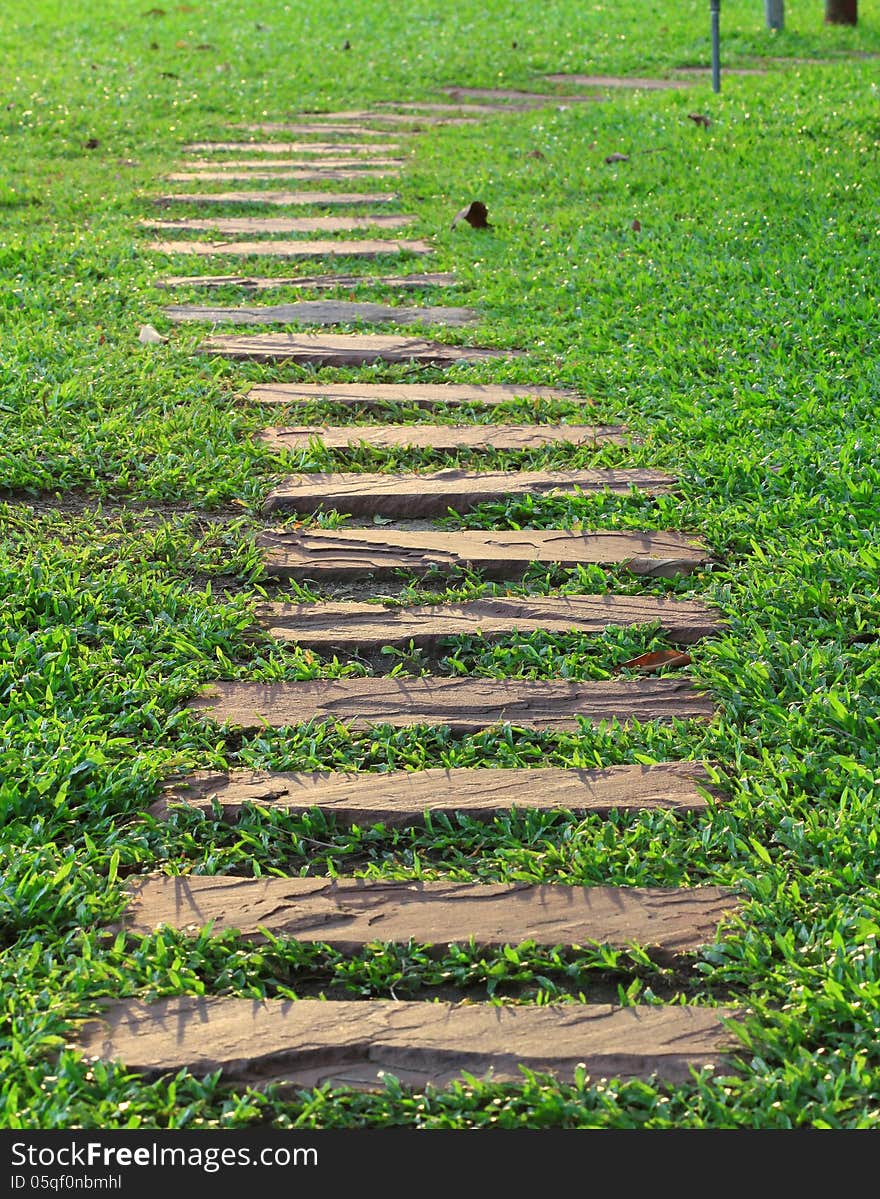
(335, 554)
(321, 312)
(414, 496)
(369, 248)
(255, 225)
(465, 705)
(420, 395)
(621, 81)
(312, 282)
(344, 349)
(516, 98)
(403, 797)
(353, 1043)
(344, 127)
(279, 199)
(444, 438)
(310, 174)
(351, 626)
(335, 147)
(348, 162)
(348, 913)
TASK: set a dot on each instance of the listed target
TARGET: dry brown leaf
(651, 662)
(475, 214)
(636, 226)
(91, 144)
(699, 119)
(535, 154)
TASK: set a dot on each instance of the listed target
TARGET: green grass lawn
(735, 331)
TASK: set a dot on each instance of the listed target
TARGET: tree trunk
(774, 13)
(841, 12)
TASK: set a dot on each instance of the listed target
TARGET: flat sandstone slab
(352, 349)
(349, 913)
(444, 438)
(347, 554)
(464, 705)
(415, 496)
(312, 282)
(621, 81)
(353, 1043)
(283, 224)
(279, 198)
(321, 312)
(314, 174)
(360, 626)
(404, 797)
(369, 248)
(334, 147)
(347, 162)
(418, 395)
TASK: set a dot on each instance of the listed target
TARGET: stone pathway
(351, 1042)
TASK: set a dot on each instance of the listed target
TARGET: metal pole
(715, 7)
(774, 13)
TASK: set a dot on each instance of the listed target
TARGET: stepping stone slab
(446, 438)
(321, 312)
(314, 174)
(353, 1043)
(464, 705)
(414, 496)
(316, 282)
(351, 626)
(293, 224)
(279, 199)
(383, 148)
(403, 797)
(620, 81)
(419, 395)
(344, 349)
(344, 127)
(349, 913)
(370, 248)
(343, 162)
(347, 554)
(516, 98)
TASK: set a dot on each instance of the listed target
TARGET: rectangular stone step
(367, 248)
(348, 162)
(349, 913)
(363, 627)
(346, 554)
(417, 496)
(312, 282)
(354, 1043)
(337, 126)
(255, 225)
(336, 147)
(465, 705)
(279, 198)
(620, 81)
(310, 121)
(443, 438)
(403, 797)
(419, 395)
(313, 174)
(321, 312)
(515, 96)
(351, 349)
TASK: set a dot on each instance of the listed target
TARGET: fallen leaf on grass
(535, 154)
(636, 226)
(651, 662)
(475, 214)
(699, 119)
(609, 158)
(149, 336)
(91, 144)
